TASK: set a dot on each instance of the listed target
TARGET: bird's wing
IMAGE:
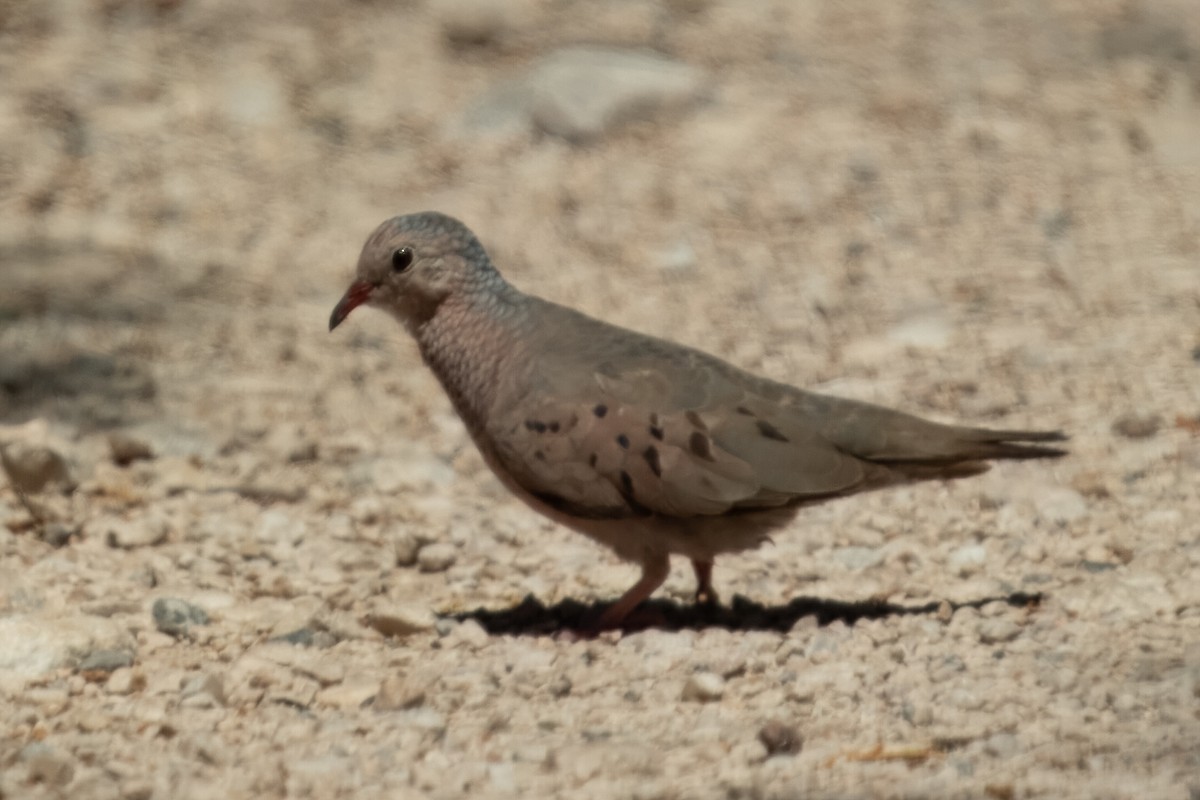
(666, 430)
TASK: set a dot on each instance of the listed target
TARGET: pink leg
(704, 590)
(654, 571)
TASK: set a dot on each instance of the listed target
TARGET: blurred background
(810, 189)
(974, 210)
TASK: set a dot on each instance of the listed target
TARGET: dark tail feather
(982, 443)
(967, 449)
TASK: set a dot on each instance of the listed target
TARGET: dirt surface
(312, 587)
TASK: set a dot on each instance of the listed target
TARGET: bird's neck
(470, 343)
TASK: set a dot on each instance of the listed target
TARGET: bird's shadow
(531, 617)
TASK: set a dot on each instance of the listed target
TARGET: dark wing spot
(770, 431)
(553, 427)
(539, 455)
(694, 418)
(623, 440)
(592, 461)
(701, 446)
(743, 410)
(627, 483)
(656, 432)
(651, 456)
(535, 425)
(600, 410)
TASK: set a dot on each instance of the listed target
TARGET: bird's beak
(358, 293)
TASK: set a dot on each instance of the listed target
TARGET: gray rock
(405, 546)
(106, 660)
(176, 617)
(858, 558)
(580, 93)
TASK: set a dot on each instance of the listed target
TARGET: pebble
(106, 660)
(703, 687)
(780, 738)
(996, 630)
(473, 22)
(58, 534)
(348, 696)
(967, 560)
(175, 617)
(858, 558)
(402, 620)
(142, 531)
(584, 92)
(470, 633)
(405, 546)
(580, 93)
(929, 330)
(32, 645)
(436, 557)
(32, 467)
(206, 690)
(124, 680)
(399, 692)
(1001, 745)
(47, 765)
(1137, 426)
(126, 448)
(1059, 504)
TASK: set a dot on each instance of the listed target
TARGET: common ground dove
(646, 446)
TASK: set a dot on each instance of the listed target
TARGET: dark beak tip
(358, 293)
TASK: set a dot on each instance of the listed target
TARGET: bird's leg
(655, 568)
(705, 593)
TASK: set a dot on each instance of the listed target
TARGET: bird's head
(411, 264)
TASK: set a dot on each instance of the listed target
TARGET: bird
(648, 447)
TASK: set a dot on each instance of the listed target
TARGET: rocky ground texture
(243, 558)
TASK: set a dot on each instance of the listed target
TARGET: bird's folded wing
(635, 440)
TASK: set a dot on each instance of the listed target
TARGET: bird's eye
(402, 259)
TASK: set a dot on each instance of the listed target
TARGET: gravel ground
(250, 559)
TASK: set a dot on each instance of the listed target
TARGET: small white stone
(436, 557)
(967, 560)
(703, 687)
(1059, 504)
(470, 633)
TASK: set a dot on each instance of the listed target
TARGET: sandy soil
(976, 211)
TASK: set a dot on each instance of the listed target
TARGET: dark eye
(402, 259)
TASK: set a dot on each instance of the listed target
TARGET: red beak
(358, 293)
